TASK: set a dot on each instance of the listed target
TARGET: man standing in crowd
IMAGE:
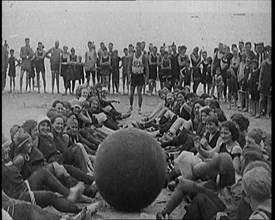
(26, 54)
(265, 84)
(138, 73)
(55, 60)
(5, 58)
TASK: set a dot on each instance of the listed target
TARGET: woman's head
(180, 97)
(23, 143)
(162, 94)
(84, 92)
(44, 126)
(104, 92)
(170, 98)
(197, 106)
(31, 127)
(76, 107)
(72, 125)
(205, 112)
(229, 131)
(94, 103)
(58, 106)
(242, 121)
(58, 123)
(212, 124)
(214, 104)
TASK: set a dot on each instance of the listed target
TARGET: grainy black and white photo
(136, 110)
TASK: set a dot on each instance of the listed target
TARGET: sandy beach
(16, 108)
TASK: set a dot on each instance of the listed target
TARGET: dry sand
(16, 108)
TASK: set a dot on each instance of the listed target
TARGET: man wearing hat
(40, 65)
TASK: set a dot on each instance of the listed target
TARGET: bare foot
(91, 210)
(76, 191)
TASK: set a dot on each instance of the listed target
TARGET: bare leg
(132, 92)
(53, 79)
(44, 81)
(57, 81)
(139, 91)
(21, 79)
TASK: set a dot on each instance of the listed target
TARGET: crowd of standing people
(237, 75)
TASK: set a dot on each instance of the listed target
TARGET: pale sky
(75, 23)
(142, 6)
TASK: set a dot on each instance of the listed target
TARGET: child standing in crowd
(12, 69)
(32, 75)
(182, 60)
(153, 69)
(209, 75)
(247, 70)
(166, 69)
(240, 76)
(115, 71)
(124, 64)
(253, 81)
(185, 74)
(204, 64)
(195, 59)
(218, 82)
(232, 84)
(105, 64)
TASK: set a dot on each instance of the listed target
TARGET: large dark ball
(130, 169)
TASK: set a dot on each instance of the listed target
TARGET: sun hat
(75, 103)
(20, 139)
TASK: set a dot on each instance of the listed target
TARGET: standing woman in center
(73, 68)
(195, 59)
(65, 59)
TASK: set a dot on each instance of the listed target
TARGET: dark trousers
(204, 206)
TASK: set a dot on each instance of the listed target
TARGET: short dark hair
(241, 120)
(111, 44)
(11, 50)
(131, 45)
(125, 49)
(183, 47)
(233, 128)
(27, 38)
(90, 42)
(214, 103)
(56, 102)
(248, 43)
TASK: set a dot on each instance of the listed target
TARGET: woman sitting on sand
(18, 208)
(30, 189)
(108, 108)
(100, 118)
(36, 160)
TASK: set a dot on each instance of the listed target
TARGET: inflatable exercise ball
(130, 169)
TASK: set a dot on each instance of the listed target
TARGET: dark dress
(204, 72)
(253, 85)
(175, 68)
(208, 78)
(32, 72)
(39, 63)
(153, 69)
(64, 67)
(72, 69)
(196, 69)
(12, 71)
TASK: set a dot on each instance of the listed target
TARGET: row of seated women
(217, 159)
(55, 154)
